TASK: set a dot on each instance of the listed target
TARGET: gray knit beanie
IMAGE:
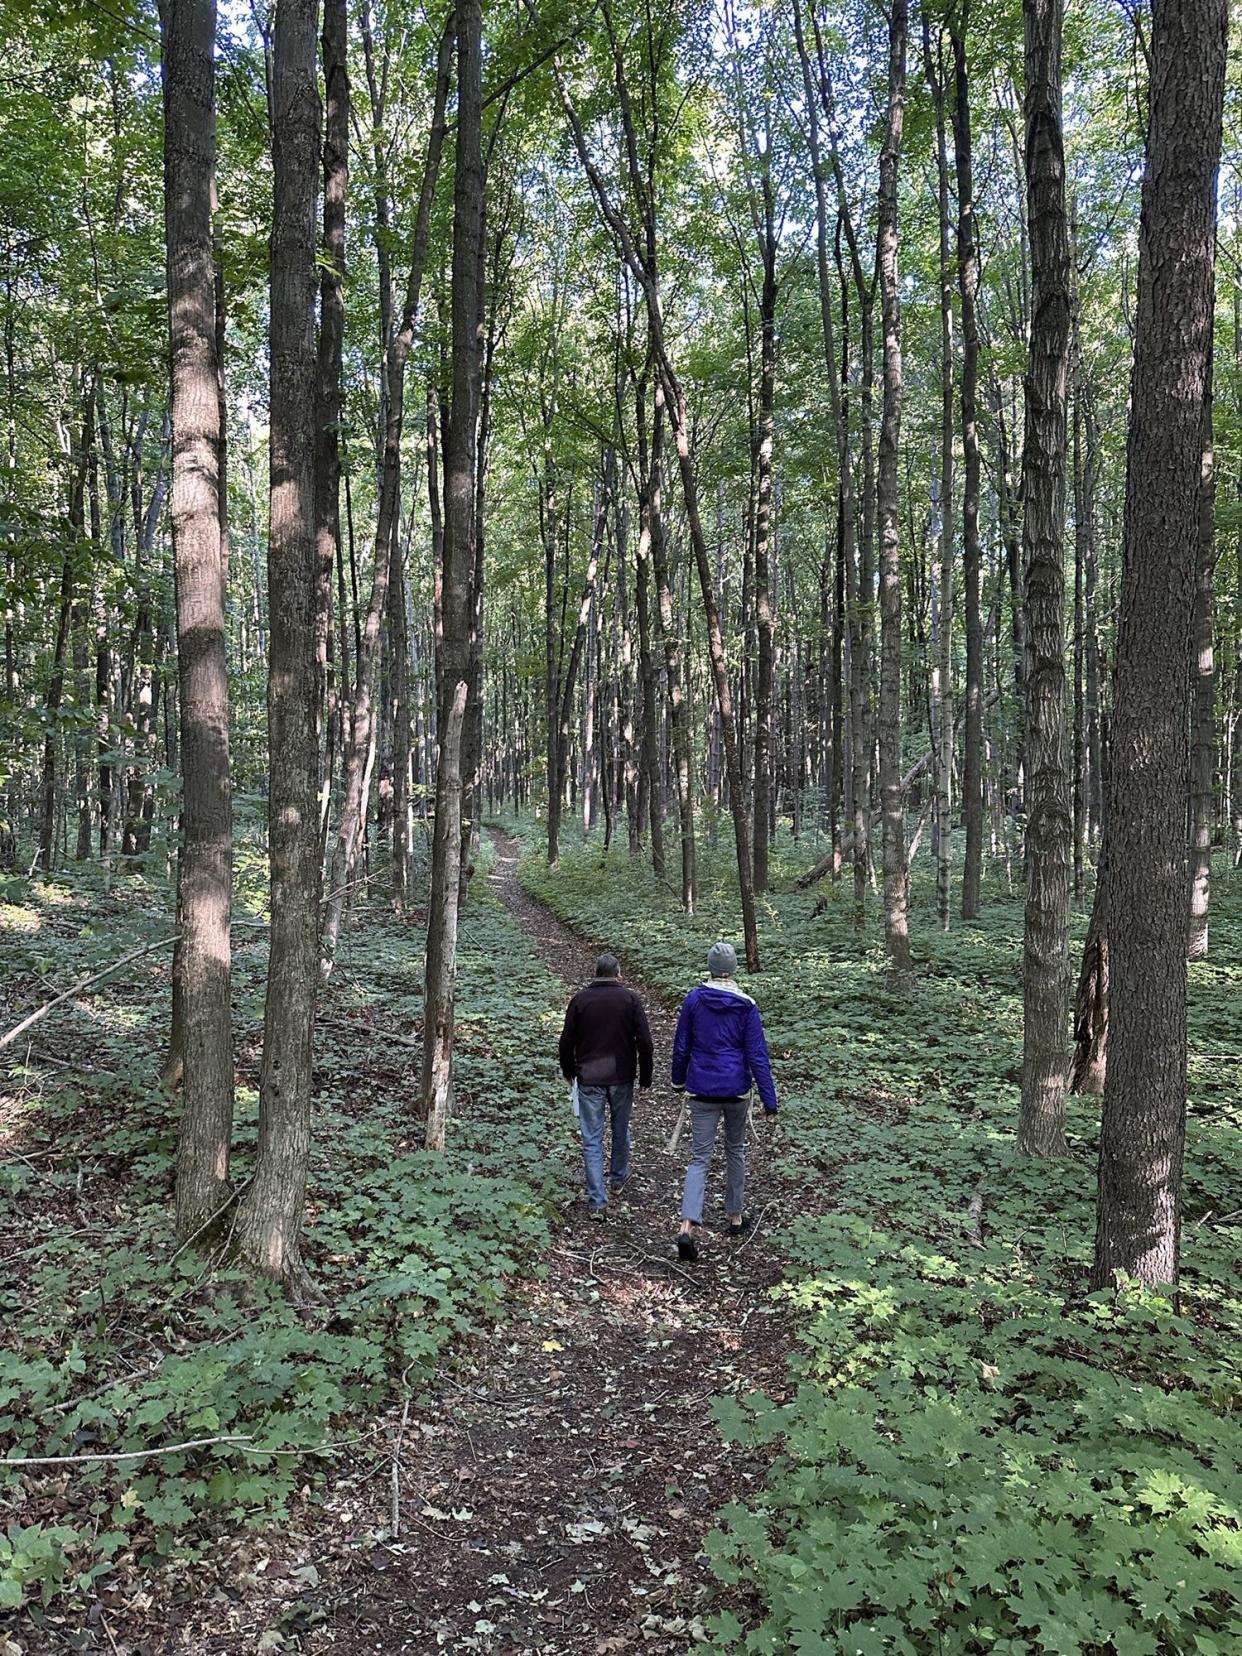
(722, 960)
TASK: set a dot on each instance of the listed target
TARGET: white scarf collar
(730, 986)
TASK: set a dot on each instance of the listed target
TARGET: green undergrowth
(979, 1455)
(114, 1341)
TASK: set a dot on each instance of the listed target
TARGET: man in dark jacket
(605, 1046)
(719, 1052)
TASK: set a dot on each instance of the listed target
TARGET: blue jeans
(593, 1102)
(705, 1118)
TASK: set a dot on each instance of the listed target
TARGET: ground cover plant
(981, 1455)
(115, 1340)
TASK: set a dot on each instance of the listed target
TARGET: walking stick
(675, 1137)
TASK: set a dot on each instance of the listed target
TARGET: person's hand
(676, 1088)
(770, 1115)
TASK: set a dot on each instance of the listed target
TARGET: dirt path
(560, 1504)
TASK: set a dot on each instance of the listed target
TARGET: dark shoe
(743, 1227)
(687, 1247)
(618, 1185)
(598, 1213)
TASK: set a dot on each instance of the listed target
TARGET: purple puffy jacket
(720, 1047)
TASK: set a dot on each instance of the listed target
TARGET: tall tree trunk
(1203, 703)
(1009, 512)
(590, 695)
(1142, 1139)
(968, 285)
(720, 674)
(942, 664)
(763, 528)
(9, 808)
(103, 711)
(580, 653)
(440, 984)
(459, 529)
(896, 917)
(1091, 643)
(328, 399)
(398, 341)
(140, 792)
(859, 608)
(629, 696)
(399, 633)
(98, 638)
(76, 524)
(646, 659)
(550, 524)
(860, 572)
(1079, 757)
(472, 733)
(79, 623)
(846, 518)
(1091, 1002)
(679, 712)
(205, 871)
(270, 1215)
(1049, 832)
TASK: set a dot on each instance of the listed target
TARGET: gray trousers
(705, 1118)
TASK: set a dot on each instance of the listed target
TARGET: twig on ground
(209, 1222)
(396, 1472)
(116, 1380)
(754, 1229)
(659, 1259)
(440, 1535)
(1221, 1219)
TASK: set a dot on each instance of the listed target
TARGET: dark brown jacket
(606, 1040)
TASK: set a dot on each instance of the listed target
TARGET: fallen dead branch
(124, 1455)
(245, 1443)
(83, 983)
(357, 1027)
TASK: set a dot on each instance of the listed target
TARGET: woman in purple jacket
(719, 1052)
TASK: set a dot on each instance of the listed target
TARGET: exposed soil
(560, 1502)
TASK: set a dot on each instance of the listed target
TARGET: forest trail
(560, 1506)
